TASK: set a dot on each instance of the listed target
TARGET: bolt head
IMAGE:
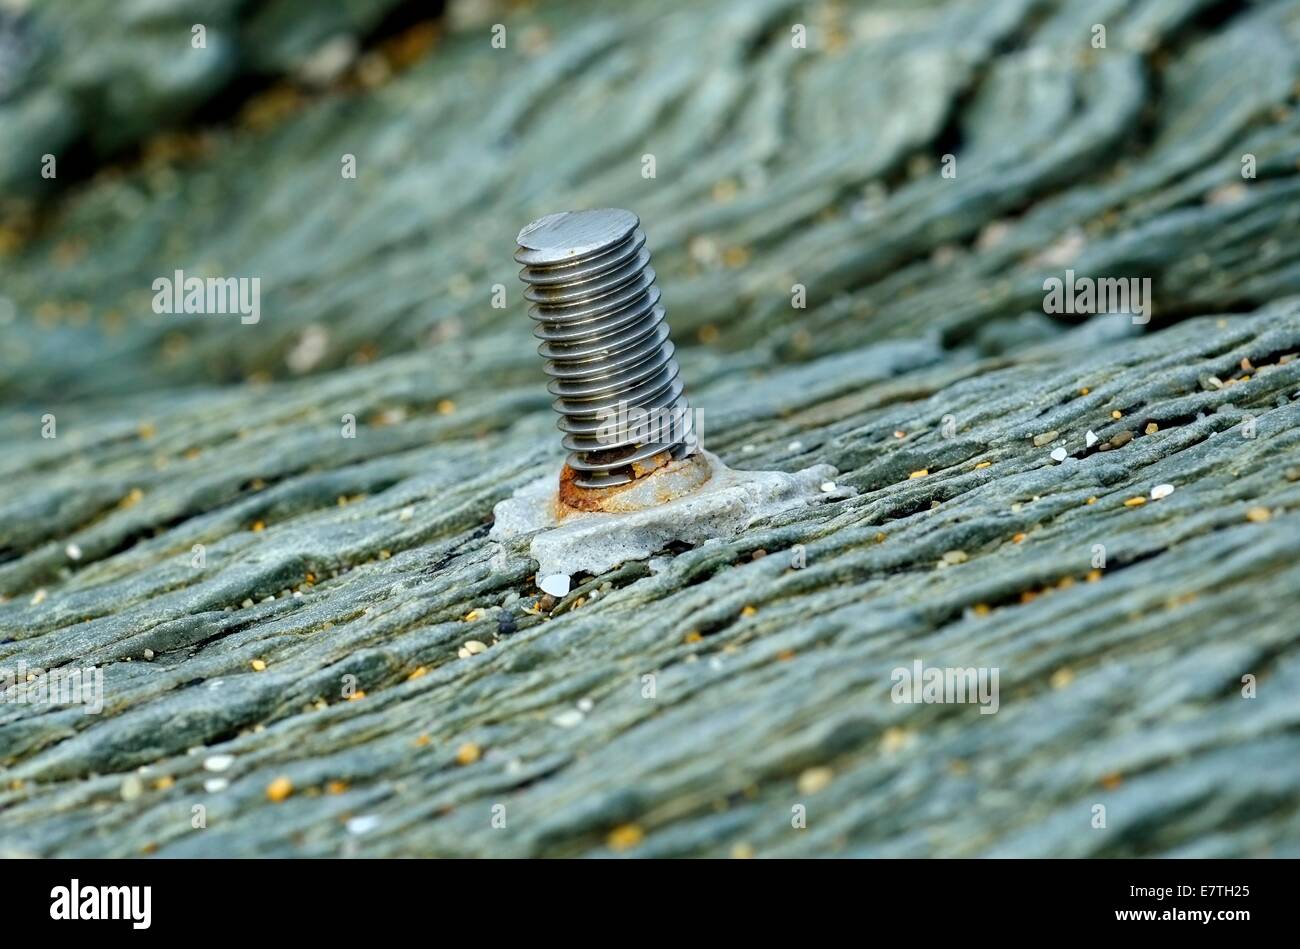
(568, 236)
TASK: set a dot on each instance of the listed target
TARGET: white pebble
(218, 762)
(472, 647)
(1090, 439)
(1161, 491)
(557, 584)
(362, 824)
(73, 552)
(585, 705)
(748, 449)
(828, 487)
(213, 785)
(568, 719)
(132, 788)
(406, 513)
(794, 446)
(1059, 454)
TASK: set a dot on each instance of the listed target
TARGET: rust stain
(572, 497)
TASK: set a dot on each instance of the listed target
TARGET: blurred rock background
(775, 165)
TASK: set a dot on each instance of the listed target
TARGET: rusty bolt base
(657, 480)
(695, 501)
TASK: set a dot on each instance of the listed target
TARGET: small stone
(259, 665)
(894, 739)
(748, 449)
(406, 513)
(218, 762)
(1151, 428)
(148, 653)
(1090, 439)
(954, 557)
(1258, 515)
(794, 446)
(570, 718)
(1161, 491)
(247, 603)
(585, 705)
(279, 789)
(362, 824)
(506, 624)
(132, 787)
(557, 584)
(828, 487)
(474, 647)
(73, 552)
(213, 785)
(546, 603)
(625, 837)
(468, 753)
(814, 780)
(1120, 439)
(1059, 454)
(1045, 438)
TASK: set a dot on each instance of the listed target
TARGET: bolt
(606, 345)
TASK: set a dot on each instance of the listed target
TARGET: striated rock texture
(311, 646)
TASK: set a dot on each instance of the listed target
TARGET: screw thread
(606, 343)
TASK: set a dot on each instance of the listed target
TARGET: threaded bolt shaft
(606, 344)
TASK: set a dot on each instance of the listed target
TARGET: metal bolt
(606, 345)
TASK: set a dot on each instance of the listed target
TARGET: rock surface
(273, 538)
